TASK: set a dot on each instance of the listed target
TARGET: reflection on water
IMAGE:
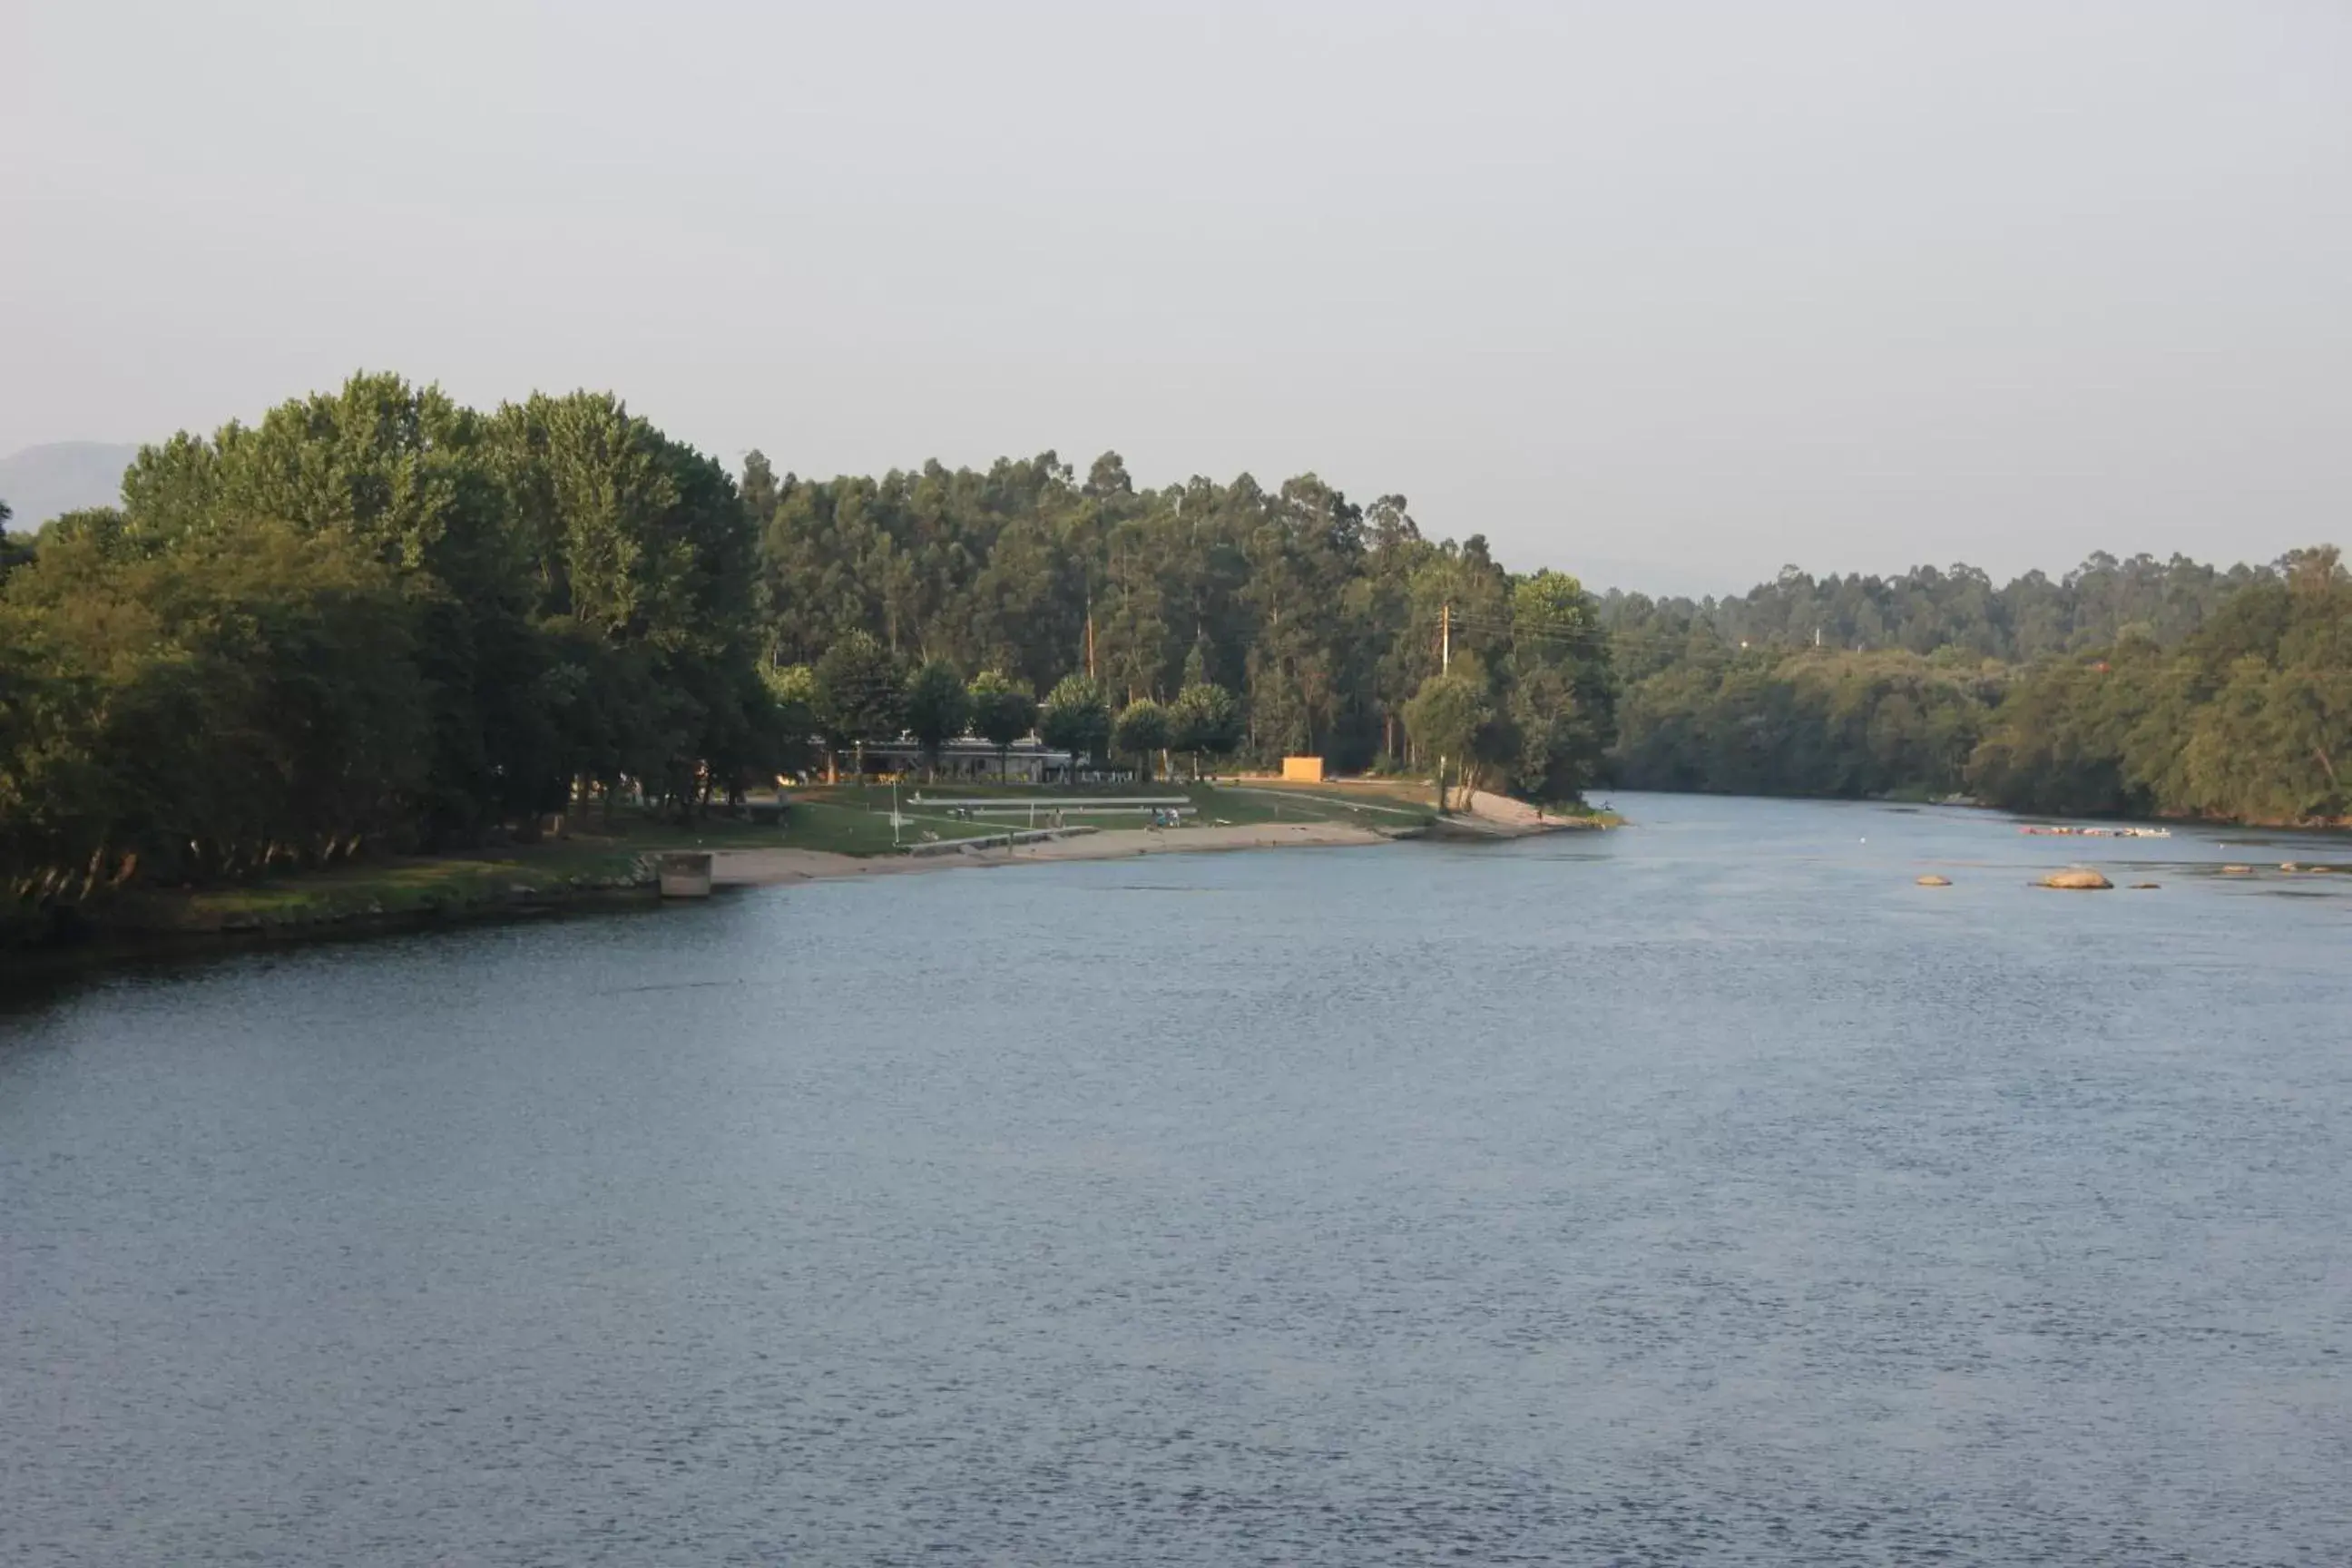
(1702, 1193)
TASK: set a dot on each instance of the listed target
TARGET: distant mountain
(39, 482)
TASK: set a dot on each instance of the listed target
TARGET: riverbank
(383, 894)
(751, 868)
(826, 836)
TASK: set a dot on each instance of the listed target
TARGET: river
(1704, 1192)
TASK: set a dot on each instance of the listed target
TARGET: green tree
(1560, 709)
(1204, 720)
(1001, 712)
(792, 693)
(938, 708)
(860, 695)
(1076, 717)
(1446, 718)
(1141, 729)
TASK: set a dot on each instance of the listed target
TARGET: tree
(1141, 729)
(1205, 719)
(1446, 717)
(860, 695)
(1001, 712)
(936, 708)
(1560, 709)
(1076, 717)
(792, 693)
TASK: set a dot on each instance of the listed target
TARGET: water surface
(1702, 1193)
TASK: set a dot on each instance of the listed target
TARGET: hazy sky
(1668, 291)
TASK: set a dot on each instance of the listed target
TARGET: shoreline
(355, 905)
(155, 927)
(777, 868)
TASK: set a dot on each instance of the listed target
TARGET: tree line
(380, 619)
(374, 619)
(1955, 611)
(1324, 621)
(859, 692)
(2128, 689)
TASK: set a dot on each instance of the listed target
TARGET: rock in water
(2081, 878)
(2237, 871)
(2146, 887)
(1931, 880)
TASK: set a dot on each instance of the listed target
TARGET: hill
(40, 482)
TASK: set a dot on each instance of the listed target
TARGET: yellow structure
(1302, 770)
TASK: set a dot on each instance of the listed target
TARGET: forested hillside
(2134, 688)
(2249, 718)
(1928, 611)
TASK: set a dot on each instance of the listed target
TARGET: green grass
(400, 888)
(598, 856)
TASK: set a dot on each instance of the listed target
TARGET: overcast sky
(1679, 291)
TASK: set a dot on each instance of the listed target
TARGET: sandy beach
(764, 867)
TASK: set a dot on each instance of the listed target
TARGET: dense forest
(2132, 687)
(1324, 618)
(380, 620)
(1960, 611)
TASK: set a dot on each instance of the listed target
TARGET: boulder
(1932, 880)
(2237, 871)
(2079, 878)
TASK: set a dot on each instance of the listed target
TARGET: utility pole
(1444, 667)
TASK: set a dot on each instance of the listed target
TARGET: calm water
(1705, 1193)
